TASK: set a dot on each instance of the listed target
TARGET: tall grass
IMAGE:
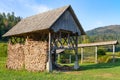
(3, 49)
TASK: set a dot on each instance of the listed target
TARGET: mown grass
(102, 71)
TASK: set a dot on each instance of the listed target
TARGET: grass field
(104, 71)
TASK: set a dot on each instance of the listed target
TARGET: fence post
(69, 58)
(113, 53)
(96, 61)
(82, 55)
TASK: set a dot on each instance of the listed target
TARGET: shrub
(101, 52)
(103, 59)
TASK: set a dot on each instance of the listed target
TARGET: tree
(7, 21)
(85, 39)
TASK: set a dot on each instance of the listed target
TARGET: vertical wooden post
(96, 61)
(69, 58)
(82, 55)
(113, 53)
(49, 63)
(76, 66)
(60, 39)
(9, 41)
(58, 57)
(68, 40)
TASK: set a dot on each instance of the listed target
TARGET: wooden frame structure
(44, 35)
(62, 40)
(113, 43)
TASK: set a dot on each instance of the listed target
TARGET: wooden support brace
(68, 40)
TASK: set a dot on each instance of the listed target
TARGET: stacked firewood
(32, 55)
(35, 55)
(15, 56)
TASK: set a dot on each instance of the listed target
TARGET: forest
(7, 21)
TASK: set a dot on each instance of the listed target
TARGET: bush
(63, 58)
(101, 52)
(103, 59)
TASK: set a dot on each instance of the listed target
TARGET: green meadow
(87, 71)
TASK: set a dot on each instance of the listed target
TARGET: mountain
(106, 33)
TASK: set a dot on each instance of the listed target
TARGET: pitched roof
(41, 21)
(99, 44)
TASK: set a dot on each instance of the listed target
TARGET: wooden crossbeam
(14, 40)
(62, 39)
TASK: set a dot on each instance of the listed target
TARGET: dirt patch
(105, 75)
(73, 72)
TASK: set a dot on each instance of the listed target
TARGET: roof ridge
(67, 6)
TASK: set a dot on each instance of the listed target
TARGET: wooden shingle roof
(41, 21)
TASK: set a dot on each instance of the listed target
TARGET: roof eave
(5, 35)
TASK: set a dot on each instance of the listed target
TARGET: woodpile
(35, 55)
(32, 55)
(15, 56)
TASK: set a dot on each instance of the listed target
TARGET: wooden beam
(68, 40)
(98, 44)
(76, 44)
(76, 66)
(49, 63)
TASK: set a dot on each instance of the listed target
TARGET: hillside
(105, 33)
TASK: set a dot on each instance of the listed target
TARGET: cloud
(34, 6)
(39, 8)
(23, 8)
(99, 22)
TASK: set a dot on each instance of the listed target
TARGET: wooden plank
(67, 23)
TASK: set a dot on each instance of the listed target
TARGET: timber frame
(43, 35)
(113, 43)
(16, 39)
(62, 40)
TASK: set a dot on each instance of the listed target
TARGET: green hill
(106, 33)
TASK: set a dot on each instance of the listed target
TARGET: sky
(91, 13)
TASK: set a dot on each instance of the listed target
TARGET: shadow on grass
(110, 64)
